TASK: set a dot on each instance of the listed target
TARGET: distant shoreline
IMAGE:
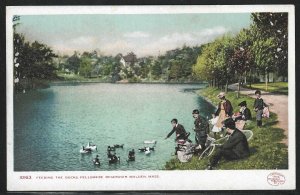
(143, 82)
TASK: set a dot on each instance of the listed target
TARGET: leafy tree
(145, 67)
(85, 68)
(212, 64)
(156, 70)
(175, 70)
(274, 26)
(241, 61)
(263, 49)
(260, 48)
(73, 63)
(203, 69)
(32, 60)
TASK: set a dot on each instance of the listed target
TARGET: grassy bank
(278, 87)
(266, 150)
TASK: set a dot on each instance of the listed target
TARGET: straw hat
(221, 94)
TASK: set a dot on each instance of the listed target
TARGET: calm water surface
(51, 125)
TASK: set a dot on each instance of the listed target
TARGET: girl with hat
(224, 110)
(242, 116)
(244, 113)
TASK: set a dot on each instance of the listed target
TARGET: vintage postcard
(150, 98)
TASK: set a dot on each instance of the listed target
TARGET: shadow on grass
(253, 150)
(271, 123)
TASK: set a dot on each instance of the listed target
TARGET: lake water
(51, 125)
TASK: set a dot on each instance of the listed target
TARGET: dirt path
(277, 104)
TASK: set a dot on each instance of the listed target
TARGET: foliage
(213, 62)
(175, 65)
(85, 67)
(73, 63)
(275, 26)
(156, 70)
(32, 61)
(261, 48)
(267, 151)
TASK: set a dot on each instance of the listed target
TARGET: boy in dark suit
(179, 129)
(201, 129)
(259, 107)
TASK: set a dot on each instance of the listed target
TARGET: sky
(143, 34)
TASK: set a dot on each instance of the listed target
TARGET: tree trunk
(215, 82)
(239, 87)
(226, 86)
(251, 78)
(266, 80)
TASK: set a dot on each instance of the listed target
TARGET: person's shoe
(209, 167)
(198, 147)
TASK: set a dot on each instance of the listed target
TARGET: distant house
(129, 60)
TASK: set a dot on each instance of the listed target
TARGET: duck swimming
(96, 160)
(85, 150)
(131, 155)
(114, 159)
(118, 146)
(109, 148)
(110, 154)
(91, 146)
(150, 142)
(146, 148)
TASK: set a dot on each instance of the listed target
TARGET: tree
(32, 61)
(73, 63)
(156, 70)
(274, 26)
(241, 61)
(212, 64)
(263, 48)
(175, 70)
(145, 67)
(203, 69)
(224, 53)
(85, 68)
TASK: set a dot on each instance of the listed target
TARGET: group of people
(236, 147)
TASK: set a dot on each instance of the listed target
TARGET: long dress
(222, 116)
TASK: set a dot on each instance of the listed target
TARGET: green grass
(278, 87)
(266, 150)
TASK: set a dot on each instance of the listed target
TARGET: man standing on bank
(236, 147)
(201, 129)
(179, 129)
